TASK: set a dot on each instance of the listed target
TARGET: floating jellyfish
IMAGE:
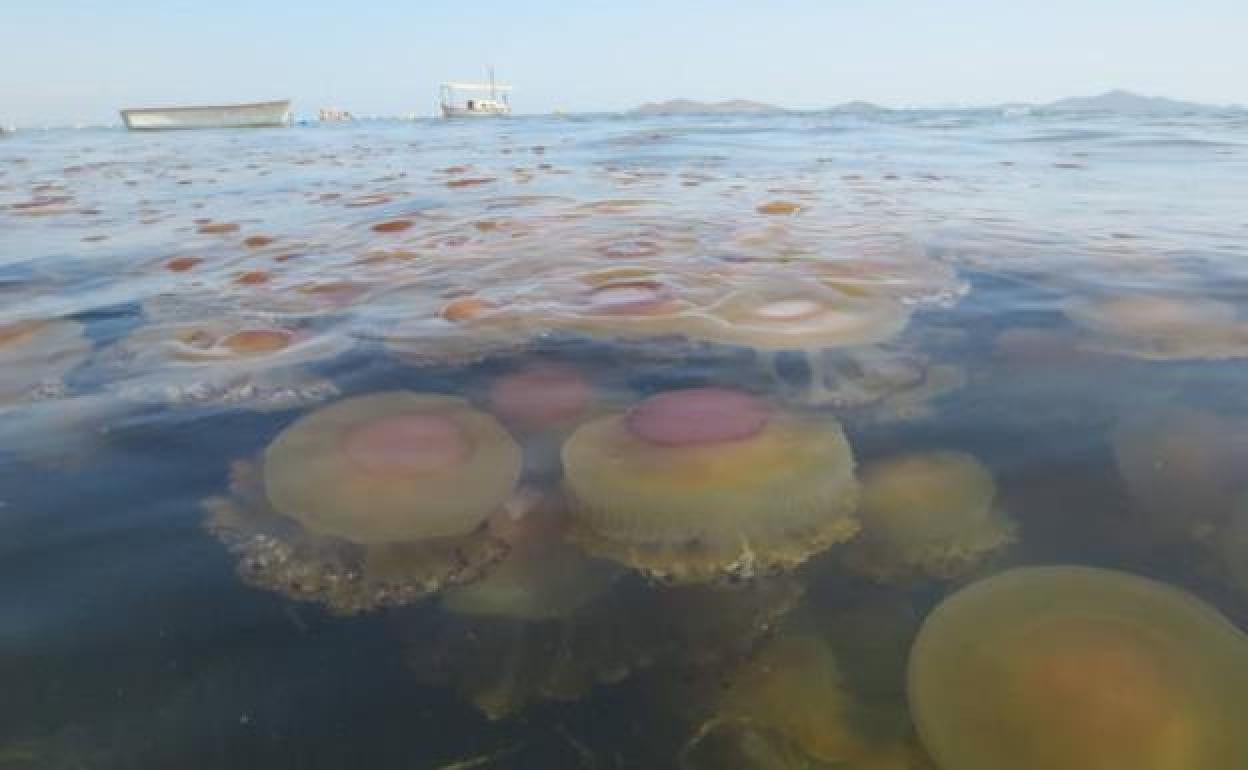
(35, 356)
(1162, 328)
(430, 330)
(709, 483)
(373, 501)
(1184, 470)
(930, 515)
(503, 664)
(235, 362)
(773, 317)
(628, 302)
(1080, 669)
(782, 315)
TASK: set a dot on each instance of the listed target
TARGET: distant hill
(1127, 103)
(692, 107)
(857, 107)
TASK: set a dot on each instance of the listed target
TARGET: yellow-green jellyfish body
(374, 501)
(542, 577)
(1080, 669)
(707, 483)
(392, 467)
(1183, 468)
(932, 514)
(1162, 328)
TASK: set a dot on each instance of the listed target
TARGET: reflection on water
(600, 442)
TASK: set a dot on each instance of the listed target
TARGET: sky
(78, 61)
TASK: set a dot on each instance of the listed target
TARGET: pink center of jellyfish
(541, 396)
(698, 416)
(410, 443)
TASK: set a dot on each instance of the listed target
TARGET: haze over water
(998, 242)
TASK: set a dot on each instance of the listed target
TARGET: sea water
(128, 638)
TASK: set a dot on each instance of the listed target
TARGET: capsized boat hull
(254, 115)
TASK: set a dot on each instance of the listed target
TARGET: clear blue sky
(64, 61)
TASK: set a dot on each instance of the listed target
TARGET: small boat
(495, 105)
(254, 115)
(334, 115)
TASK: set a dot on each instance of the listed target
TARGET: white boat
(459, 101)
(254, 115)
(334, 115)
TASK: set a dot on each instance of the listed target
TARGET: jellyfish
(35, 356)
(628, 302)
(886, 383)
(786, 706)
(373, 501)
(246, 362)
(1231, 545)
(772, 317)
(1184, 469)
(431, 330)
(542, 403)
(503, 664)
(1079, 668)
(542, 577)
(1162, 328)
(929, 515)
(709, 484)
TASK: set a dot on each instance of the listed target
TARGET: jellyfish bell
(929, 515)
(542, 397)
(625, 302)
(230, 361)
(372, 501)
(709, 484)
(35, 356)
(542, 403)
(1183, 469)
(424, 328)
(1082, 669)
(797, 316)
(1162, 328)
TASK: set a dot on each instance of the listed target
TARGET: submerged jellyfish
(501, 663)
(1162, 328)
(1232, 545)
(375, 500)
(542, 404)
(932, 515)
(787, 706)
(541, 578)
(1183, 468)
(248, 362)
(890, 384)
(1080, 669)
(35, 356)
(708, 483)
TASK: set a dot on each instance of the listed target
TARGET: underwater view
(904, 440)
